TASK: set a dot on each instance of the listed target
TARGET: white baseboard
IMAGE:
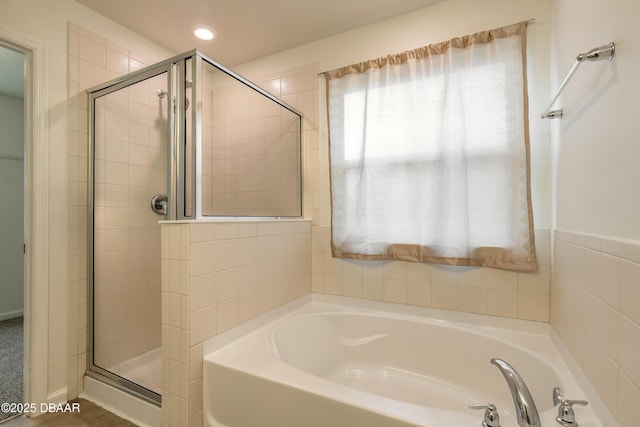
(11, 314)
(58, 396)
(122, 404)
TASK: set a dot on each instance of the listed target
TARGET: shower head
(598, 53)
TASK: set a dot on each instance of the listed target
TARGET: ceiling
(11, 73)
(247, 29)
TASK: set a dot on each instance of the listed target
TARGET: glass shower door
(131, 150)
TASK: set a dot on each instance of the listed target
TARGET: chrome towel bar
(596, 54)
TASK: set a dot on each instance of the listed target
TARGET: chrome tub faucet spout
(526, 410)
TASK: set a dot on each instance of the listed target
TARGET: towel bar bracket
(553, 114)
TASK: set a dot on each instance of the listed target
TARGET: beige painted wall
(596, 146)
(12, 212)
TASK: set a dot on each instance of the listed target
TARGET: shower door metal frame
(94, 93)
(183, 174)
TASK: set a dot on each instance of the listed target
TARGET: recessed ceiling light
(204, 33)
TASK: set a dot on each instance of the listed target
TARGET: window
(429, 154)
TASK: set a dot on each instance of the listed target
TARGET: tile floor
(90, 415)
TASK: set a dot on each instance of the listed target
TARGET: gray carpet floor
(11, 362)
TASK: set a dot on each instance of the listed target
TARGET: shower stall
(184, 139)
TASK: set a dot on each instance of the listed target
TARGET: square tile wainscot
(217, 275)
(595, 309)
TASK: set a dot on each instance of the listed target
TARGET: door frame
(36, 217)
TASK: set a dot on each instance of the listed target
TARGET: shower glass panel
(182, 139)
(250, 150)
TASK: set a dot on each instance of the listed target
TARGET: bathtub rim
(220, 341)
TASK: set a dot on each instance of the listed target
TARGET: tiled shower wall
(92, 60)
(250, 152)
(299, 87)
(595, 309)
(214, 277)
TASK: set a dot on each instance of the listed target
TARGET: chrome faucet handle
(491, 418)
(566, 417)
(557, 396)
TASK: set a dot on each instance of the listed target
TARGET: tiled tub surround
(595, 309)
(469, 289)
(217, 275)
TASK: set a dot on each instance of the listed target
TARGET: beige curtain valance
(430, 50)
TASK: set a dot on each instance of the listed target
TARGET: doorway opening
(12, 227)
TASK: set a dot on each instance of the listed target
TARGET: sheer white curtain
(429, 154)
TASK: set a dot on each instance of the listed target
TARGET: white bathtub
(326, 365)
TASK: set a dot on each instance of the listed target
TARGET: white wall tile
(628, 398)
(595, 312)
(352, 268)
(603, 325)
(444, 274)
(418, 272)
(394, 270)
(202, 291)
(603, 277)
(472, 276)
(570, 260)
(539, 281)
(373, 288)
(444, 296)
(226, 284)
(419, 293)
(630, 350)
(502, 302)
(226, 254)
(472, 299)
(247, 278)
(247, 306)
(630, 250)
(201, 258)
(395, 290)
(603, 374)
(502, 279)
(352, 286)
(373, 269)
(202, 324)
(630, 289)
(533, 306)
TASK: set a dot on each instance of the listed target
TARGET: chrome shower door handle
(159, 204)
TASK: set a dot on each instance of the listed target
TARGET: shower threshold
(144, 370)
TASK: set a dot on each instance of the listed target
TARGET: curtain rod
(529, 22)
